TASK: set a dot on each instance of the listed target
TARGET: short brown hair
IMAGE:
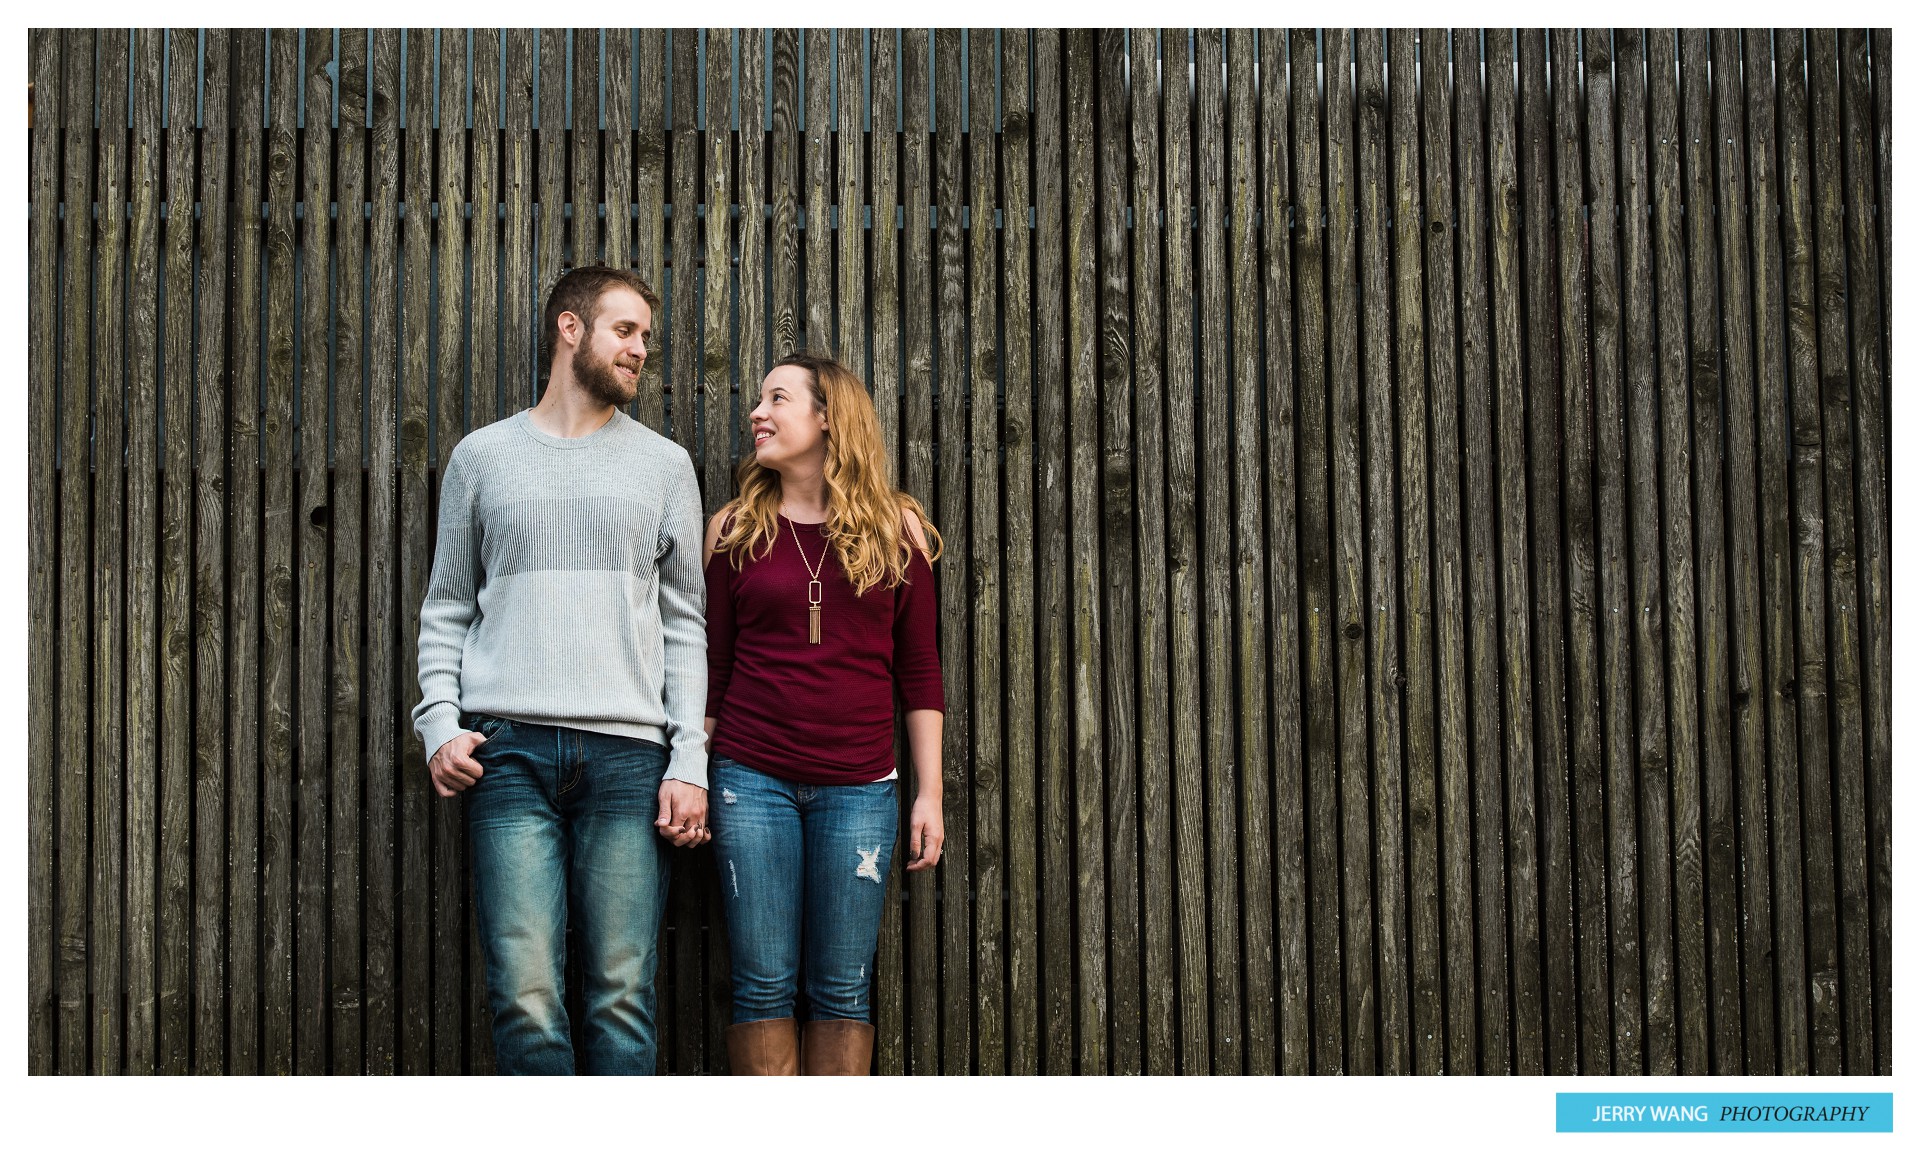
(579, 291)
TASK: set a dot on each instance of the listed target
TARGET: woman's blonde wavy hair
(864, 511)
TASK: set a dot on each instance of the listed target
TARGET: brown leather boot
(837, 1048)
(768, 1048)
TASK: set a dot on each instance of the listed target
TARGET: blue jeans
(802, 869)
(561, 829)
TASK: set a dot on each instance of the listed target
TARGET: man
(563, 678)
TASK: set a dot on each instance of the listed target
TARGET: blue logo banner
(1724, 1113)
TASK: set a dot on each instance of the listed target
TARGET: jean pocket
(486, 725)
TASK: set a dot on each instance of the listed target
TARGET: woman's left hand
(926, 834)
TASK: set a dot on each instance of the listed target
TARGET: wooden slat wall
(1417, 591)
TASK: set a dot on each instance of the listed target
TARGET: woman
(820, 610)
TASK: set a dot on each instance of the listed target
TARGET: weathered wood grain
(1482, 493)
(1773, 684)
(1161, 1037)
(1317, 668)
(717, 347)
(815, 103)
(106, 943)
(682, 323)
(649, 193)
(783, 183)
(520, 300)
(383, 719)
(950, 317)
(1428, 1039)
(1433, 222)
(982, 374)
(850, 205)
(1183, 573)
(1649, 761)
(1115, 535)
(1872, 470)
(151, 697)
(43, 519)
(1504, 221)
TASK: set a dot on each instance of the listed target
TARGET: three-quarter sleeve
(916, 647)
(720, 630)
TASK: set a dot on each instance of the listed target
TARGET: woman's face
(787, 426)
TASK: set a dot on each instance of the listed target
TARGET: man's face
(608, 361)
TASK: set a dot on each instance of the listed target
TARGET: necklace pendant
(813, 612)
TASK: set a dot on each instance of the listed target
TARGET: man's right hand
(453, 766)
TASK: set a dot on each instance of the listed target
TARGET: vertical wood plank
(520, 300)
(649, 193)
(73, 743)
(1158, 974)
(1843, 587)
(917, 468)
(106, 942)
(616, 78)
(155, 688)
(383, 719)
(1050, 521)
(1017, 444)
(43, 522)
(1773, 684)
(1090, 745)
(278, 656)
(483, 344)
(982, 372)
(550, 167)
(311, 530)
(412, 387)
(1377, 607)
(211, 380)
(1118, 486)
(889, 970)
(243, 450)
(956, 875)
(849, 215)
(1716, 719)
(817, 223)
(1691, 1004)
(1548, 444)
(1356, 786)
(1873, 467)
(718, 349)
(682, 295)
(1492, 995)
(1882, 49)
(1247, 545)
(345, 972)
(751, 182)
(1293, 990)
(1430, 1034)
(1810, 670)
(783, 178)
(1183, 562)
(1757, 941)
(1318, 670)
(1454, 625)
(1611, 557)
(1516, 578)
(583, 231)
(1588, 790)
(1650, 761)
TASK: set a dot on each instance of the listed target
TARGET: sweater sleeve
(449, 608)
(721, 629)
(683, 630)
(916, 648)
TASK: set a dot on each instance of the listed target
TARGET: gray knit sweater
(567, 589)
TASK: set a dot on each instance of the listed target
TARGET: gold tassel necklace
(813, 587)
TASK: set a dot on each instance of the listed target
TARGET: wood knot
(1352, 631)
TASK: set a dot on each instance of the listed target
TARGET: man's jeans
(800, 865)
(561, 829)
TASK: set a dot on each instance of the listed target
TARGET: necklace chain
(813, 569)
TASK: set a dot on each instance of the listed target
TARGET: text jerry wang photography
(1346, 551)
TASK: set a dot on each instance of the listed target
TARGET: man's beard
(601, 380)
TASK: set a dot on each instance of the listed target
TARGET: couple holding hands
(603, 682)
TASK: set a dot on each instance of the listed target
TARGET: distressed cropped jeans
(803, 873)
(560, 826)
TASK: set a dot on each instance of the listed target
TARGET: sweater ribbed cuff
(438, 726)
